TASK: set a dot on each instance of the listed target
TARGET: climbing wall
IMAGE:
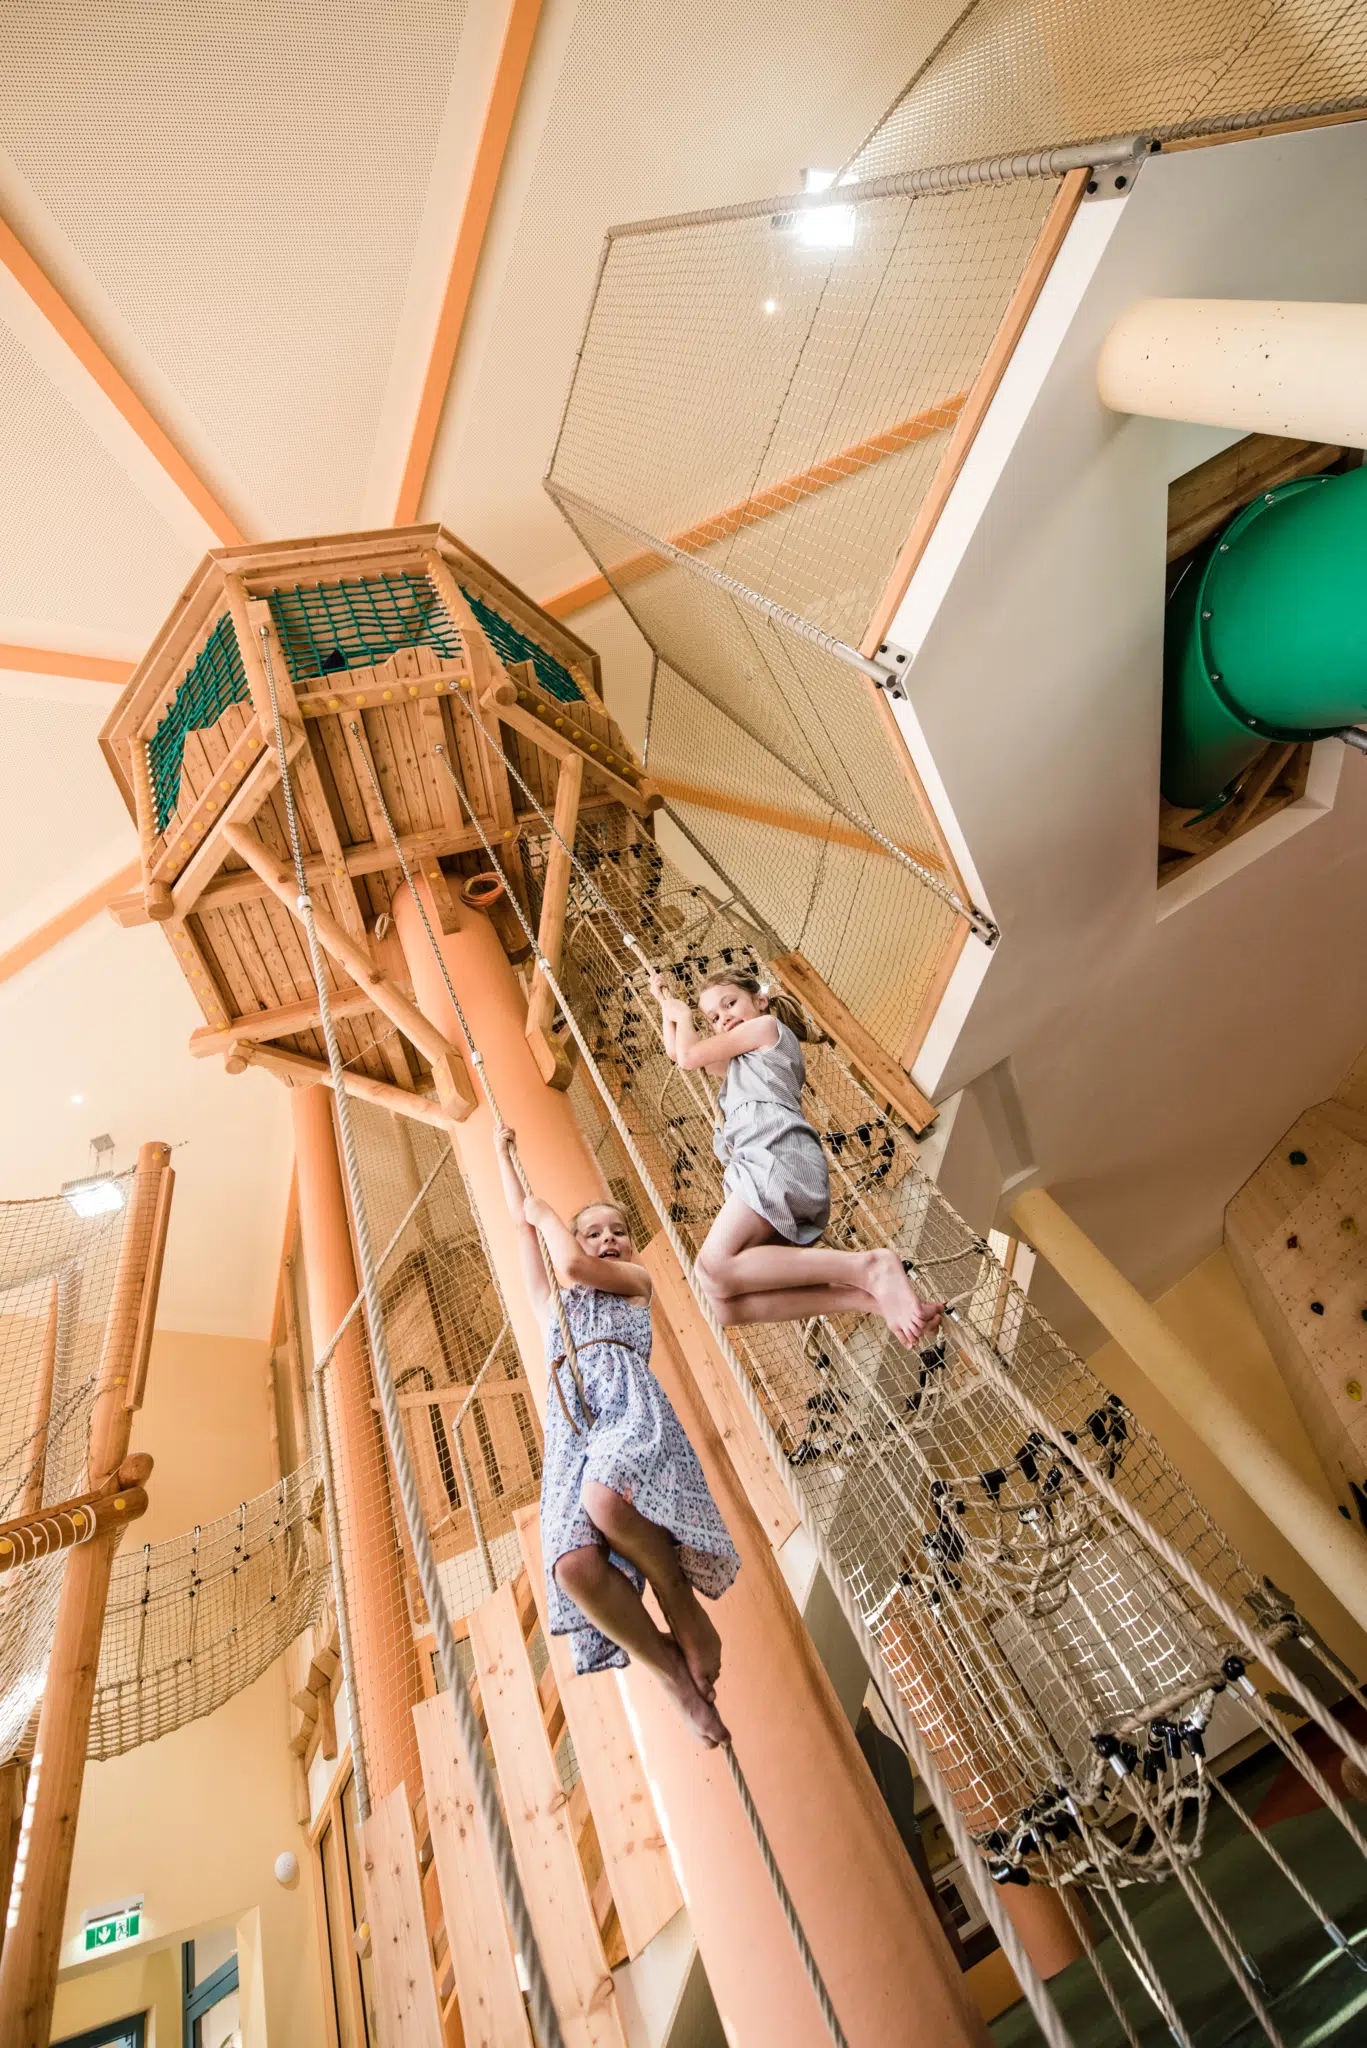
(1297, 1237)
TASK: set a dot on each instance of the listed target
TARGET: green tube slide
(1266, 635)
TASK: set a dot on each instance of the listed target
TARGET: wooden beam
(407, 2012)
(487, 673)
(889, 1081)
(973, 411)
(454, 1090)
(550, 936)
(548, 1863)
(37, 1911)
(950, 954)
(285, 1022)
(834, 830)
(506, 90)
(569, 741)
(299, 1072)
(492, 2012)
(779, 497)
(49, 661)
(735, 1425)
(307, 780)
(1206, 497)
(68, 1523)
(368, 858)
(32, 947)
(635, 1854)
(29, 275)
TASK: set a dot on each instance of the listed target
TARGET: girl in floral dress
(623, 1497)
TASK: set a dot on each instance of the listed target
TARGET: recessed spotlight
(771, 305)
(76, 1101)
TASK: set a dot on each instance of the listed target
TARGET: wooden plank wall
(539, 1822)
(491, 2008)
(634, 1851)
(407, 2012)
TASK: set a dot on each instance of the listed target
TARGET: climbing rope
(762, 1843)
(1032, 1985)
(486, 1791)
(477, 1063)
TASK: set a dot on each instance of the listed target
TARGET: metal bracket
(1117, 180)
(894, 661)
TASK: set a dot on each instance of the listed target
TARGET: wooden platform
(387, 651)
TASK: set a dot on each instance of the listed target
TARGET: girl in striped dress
(761, 1262)
(623, 1497)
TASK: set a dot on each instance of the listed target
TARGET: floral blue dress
(636, 1446)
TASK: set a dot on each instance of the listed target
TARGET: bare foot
(696, 1637)
(906, 1315)
(700, 1714)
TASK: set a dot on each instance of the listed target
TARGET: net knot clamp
(894, 662)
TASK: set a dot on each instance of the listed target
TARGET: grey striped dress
(772, 1156)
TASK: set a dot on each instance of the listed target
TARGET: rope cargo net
(57, 1274)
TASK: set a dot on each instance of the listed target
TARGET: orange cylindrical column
(1040, 1918)
(384, 1661)
(875, 1936)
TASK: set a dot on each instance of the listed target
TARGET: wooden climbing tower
(382, 647)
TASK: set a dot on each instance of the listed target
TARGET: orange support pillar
(385, 1664)
(880, 1949)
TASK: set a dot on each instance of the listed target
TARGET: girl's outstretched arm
(574, 1267)
(528, 1250)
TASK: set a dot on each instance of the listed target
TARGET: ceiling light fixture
(97, 1193)
(824, 227)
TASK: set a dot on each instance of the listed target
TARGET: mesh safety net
(1017, 1612)
(214, 680)
(57, 1275)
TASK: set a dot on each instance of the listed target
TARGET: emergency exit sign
(109, 1927)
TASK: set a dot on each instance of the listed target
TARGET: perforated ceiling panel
(245, 183)
(63, 825)
(656, 108)
(79, 543)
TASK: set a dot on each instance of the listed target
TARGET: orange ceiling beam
(49, 661)
(760, 505)
(67, 921)
(499, 114)
(830, 828)
(29, 275)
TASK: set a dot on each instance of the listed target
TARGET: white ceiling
(252, 210)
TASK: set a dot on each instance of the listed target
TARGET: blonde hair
(775, 1001)
(618, 1211)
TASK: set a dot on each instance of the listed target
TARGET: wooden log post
(32, 1953)
(552, 1061)
(68, 1523)
(453, 1089)
(156, 895)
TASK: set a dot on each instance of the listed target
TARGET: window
(210, 2014)
(342, 1897)
(129, 2033)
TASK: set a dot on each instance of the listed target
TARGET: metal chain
(1051, 2025)
(486, 1791)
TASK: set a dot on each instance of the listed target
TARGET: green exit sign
(112, 1926)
